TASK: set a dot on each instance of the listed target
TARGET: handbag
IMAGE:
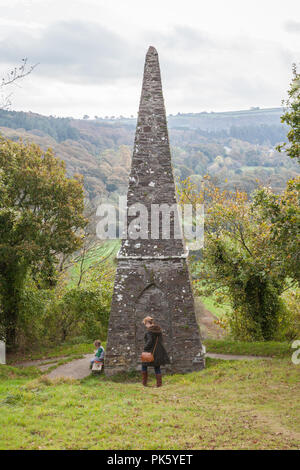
(149, 356)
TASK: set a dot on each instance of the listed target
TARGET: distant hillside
(58, 128)
(212, 122)
(255, 125)
(237, 146)
(220, 121)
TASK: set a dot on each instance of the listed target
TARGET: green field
(219, 310)
(231, 404)
(103, 252)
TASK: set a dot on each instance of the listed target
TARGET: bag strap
(155, 346)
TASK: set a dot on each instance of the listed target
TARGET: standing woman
(154, 344)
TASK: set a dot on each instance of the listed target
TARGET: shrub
(52, 316)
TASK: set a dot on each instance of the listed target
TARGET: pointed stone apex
(151, 179)
(151, 51)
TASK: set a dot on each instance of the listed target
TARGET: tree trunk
(12, 282)
(10, 334)
(10, 317)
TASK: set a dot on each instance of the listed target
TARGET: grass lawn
(256, 348)
(231, 404)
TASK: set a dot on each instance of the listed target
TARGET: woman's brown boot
(158, 380)
(145, 378)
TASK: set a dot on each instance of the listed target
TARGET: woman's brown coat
(160, 354)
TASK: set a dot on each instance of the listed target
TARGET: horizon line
(133, 117)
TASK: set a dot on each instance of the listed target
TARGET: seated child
(99, 353)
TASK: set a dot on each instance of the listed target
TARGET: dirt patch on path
(42, 364)
(207, 322)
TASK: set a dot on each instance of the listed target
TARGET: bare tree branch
(13, 76)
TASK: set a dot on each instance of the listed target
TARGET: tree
(41, 211)
(282, 213)
(241, 261)
(83, 307)
(292, 118)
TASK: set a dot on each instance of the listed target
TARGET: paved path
(233, 357)
(77, 369)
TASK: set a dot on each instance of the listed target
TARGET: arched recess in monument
(153, 301)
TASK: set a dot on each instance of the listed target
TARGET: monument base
(160, 288)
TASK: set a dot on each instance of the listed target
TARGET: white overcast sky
(215, 55)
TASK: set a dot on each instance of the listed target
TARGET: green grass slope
(229, 405)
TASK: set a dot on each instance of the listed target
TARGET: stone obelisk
(152, 275)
